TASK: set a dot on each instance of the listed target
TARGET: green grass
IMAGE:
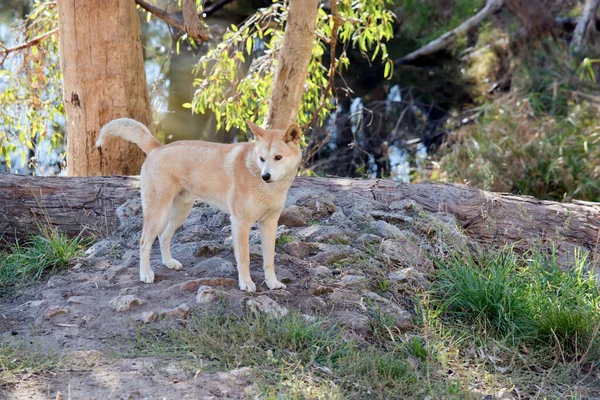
(15, 362)
(47, 252)
(294, 358)
(283, 239)
(527, 300)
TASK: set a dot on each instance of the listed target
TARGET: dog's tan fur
(227, 176)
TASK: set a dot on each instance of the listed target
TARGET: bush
(509, 149)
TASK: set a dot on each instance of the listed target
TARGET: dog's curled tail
(130, 130)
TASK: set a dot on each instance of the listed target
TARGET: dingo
(249, 181)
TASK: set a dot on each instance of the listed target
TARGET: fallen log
(72, 204)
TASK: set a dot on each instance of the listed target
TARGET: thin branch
(5, 51)
(449, 38)
(585, 26)
(173, 20)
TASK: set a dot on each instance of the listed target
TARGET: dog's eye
(262, 159)
(277, 158)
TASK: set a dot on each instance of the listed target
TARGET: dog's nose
(266, 177)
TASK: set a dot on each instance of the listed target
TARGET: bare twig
(5, 51)
(199, 35)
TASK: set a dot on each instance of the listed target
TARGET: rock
(392, 217)
(404, 253)
(54, 311)
(320, 271)
(32, 303)
(266, 305)
(331, 254)
(178, 312)
(354, 320)
(111, 273)
(339, 218)
(375, 297)
(146, 317)
(360, 218)
(218, 220)
(368, 239)
(207, 294)
(126, 303)
(130, 209)
(319, 290)
(325, 234)
(407, 205)
(56, 281)
(353, 279)
(214, 266)
(208, 249)
(81, 300)
(191, 285)
(294, 216)
(299, 249)
(319, 206)
(385, 230)
(409, 275)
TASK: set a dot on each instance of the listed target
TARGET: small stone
(339, 218)
(208, 250)
(54, 311)
(368, 239)
(193, 284)
(299, 249)
(56, 281)
(207, 294)
(214, 265)
(81, 300)
(407, 205)
(353, 279)
(146, 317)
(320, 290)
(266, 305)
(32, 303)
(294, 216)
(320, 271)
(331, 254)
(401, 274)
(309, 318)
(178, 312)
(218, 220)
(319, 206)
(130, 209)
(386, 230)
(111, 273)
(126, 303)
(375, 297)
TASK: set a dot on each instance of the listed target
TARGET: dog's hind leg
(268, 234)
(182, 205)
(241, 246)
(157, 206)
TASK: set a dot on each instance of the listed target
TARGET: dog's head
(277, 151)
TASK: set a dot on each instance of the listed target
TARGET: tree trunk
(104, 78)
(489, 218)
(292, 69)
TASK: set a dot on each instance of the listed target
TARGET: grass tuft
(47, 252)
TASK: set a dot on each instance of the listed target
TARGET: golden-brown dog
(249, 181)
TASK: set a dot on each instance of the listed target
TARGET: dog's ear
(256, 130)
(293, 134)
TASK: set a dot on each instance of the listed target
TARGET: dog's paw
(173, 264)
(249, 286)
(275, 284)
(147, 277)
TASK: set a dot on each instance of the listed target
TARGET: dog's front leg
(268, 234)
(241, 247)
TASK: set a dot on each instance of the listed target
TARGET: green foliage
(425, 20)
(529, 299)
(31, 93)
(44, 253)
(236, 76)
